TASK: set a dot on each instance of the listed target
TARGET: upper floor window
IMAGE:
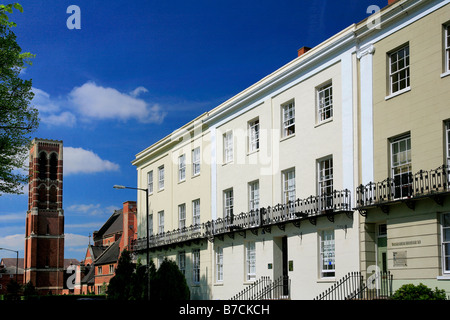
(150, 225)
(325, 102)
(401, 166)
(161, 178)
(182, 216)
(196, 212)
(325, 182)
(228, 147)
(182, 168)
(288, 186)
(288, 127)
(447, 142)
(228, 203)
(447, 48)
(253, 195)
(150, 182)
(196, 161)
(253, 136)
(161, 222)
(399, 73)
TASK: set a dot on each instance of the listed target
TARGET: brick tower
(44, 233)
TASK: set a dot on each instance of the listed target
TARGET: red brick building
(101, 259)
(10, 269)
(44, 234)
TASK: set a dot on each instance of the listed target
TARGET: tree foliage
(418, 292)
(130, 281)
(17, 118)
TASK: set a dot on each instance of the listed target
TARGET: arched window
(53, 197)
(53, 166)
(42, 166)
(42, 197)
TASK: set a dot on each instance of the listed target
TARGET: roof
(9, 265)
(110, 255)
(113, 225)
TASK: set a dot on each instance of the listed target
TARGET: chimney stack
(391, 1)
(304, 50)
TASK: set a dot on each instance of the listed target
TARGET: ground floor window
(446, 243)
(196, 266)
(327, 254)
(219, 264)
(250, 259)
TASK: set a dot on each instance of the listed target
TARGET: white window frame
(325, 102)
(253, 135)
(182, 168)
(401, 164)
(228, 147)
(196, 212)
(196, 266)
(150, 182)
(182, 216)
(161, 178)
(196, 161)
(447, 142)
(445, 240)
(447, 47)
(327, 254)
(288, 116)
(399, 63)
(253, 195)
(228, 202)
(250, 261)
(288, 184)
(150, 225)
(161, 222)
(219, 264)
(325, 181)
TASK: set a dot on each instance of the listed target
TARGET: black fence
(404, 187)
(266, 289)
(354, 287)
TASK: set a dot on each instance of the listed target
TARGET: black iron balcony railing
(309, 208)
(432, 183)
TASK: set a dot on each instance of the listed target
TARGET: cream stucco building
(274, 182)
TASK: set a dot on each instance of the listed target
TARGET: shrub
(418, 292)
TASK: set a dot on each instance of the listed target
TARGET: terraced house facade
(276, 183)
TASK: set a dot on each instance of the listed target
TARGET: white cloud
(136, 92)
(13, 242)
(97, 102)
(91, 101)
(75, 240)
(91, 209)
(79, 160)
(50, 111)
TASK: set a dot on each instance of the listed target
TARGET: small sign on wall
(400, 259)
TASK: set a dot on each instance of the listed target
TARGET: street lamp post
(17, 260)
(148, 243)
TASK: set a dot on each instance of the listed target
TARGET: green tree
(169, 283)
(120, 286)
(17, 118)
(418, 292)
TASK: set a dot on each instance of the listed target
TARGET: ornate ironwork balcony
(294, 211)
(433, 184)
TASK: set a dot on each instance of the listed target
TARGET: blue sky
(136, 71)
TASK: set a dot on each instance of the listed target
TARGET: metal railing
(313, 206)
(353, 287)
(266, 289)
(410, 186)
